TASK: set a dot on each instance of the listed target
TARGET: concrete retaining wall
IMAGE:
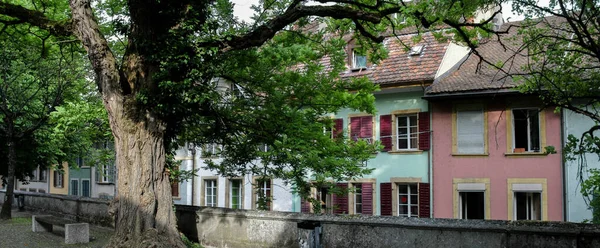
(248, 228)
(245, 228)
(90, 210)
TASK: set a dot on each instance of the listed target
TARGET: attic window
(359, 60)
(416, 50)
(400, 17)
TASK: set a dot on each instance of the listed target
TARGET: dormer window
(416, 50)
(359, 60)
(400, 17)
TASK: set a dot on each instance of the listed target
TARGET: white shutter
(470, 132)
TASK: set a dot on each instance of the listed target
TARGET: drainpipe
(430, 160)
(193, 151)
(563, 171)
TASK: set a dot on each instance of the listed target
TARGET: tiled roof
(400, 67)
(474, 75)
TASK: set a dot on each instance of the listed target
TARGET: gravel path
(17, 233)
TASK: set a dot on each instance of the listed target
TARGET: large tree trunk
(6, 212)
(143, 207)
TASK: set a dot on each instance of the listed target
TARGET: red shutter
(385, 197)
(175, 189)
(338, 128)
(424, 200)
(366, 127)
(424, 131)
(385, 132)
(367, 198)
(340, 201)
(304, 206)
(355, 125)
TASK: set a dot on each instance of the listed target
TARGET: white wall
(577, 210)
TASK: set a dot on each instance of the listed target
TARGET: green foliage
(188, 243)
(590, 189)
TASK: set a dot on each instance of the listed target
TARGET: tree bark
(6, 212)
(143, 208)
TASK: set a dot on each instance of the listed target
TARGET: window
(358, 204)
(325, 199)
(263, 194)
(106, 173)
(527, 196)
(175, 189)
(472, 205)
(75, 187)
(210, 193)
(528, 206)
(526, 130)
(43, 175)
(361, 127)
(79, 162)
(85, 187)
(58, 179)
(400, 17)
(407, 132)
(211, 150)
(408, 200)
(470, 130)
(359, 60)
(235, 194)
(404, 130)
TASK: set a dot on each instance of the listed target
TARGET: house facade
(400, 182)
(490, 144)
(208, 188)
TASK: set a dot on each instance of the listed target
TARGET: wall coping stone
(498, 226)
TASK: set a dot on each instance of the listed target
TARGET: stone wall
(248, 228)
(244, 228)
(90, 210)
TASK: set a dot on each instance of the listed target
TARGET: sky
(243, 11)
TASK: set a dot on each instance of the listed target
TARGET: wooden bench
(75, 233)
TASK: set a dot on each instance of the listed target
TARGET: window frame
(58, 174)
(456, 108)
(229, 193)
(510, 151)
(351, 195)
(89, 187)
(409, 201)
(463, 185)
(71, 188)
(538, 185)
(461, 203)
(203, 189)
(211, 184)
(357, 194)
(256, 189)
(396, 127)
(356, 54)
(528, 148)
(528, 194)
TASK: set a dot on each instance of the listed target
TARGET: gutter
(470, 94)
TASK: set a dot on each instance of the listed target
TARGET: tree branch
(35, 18)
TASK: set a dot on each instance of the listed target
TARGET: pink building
(490, 146)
